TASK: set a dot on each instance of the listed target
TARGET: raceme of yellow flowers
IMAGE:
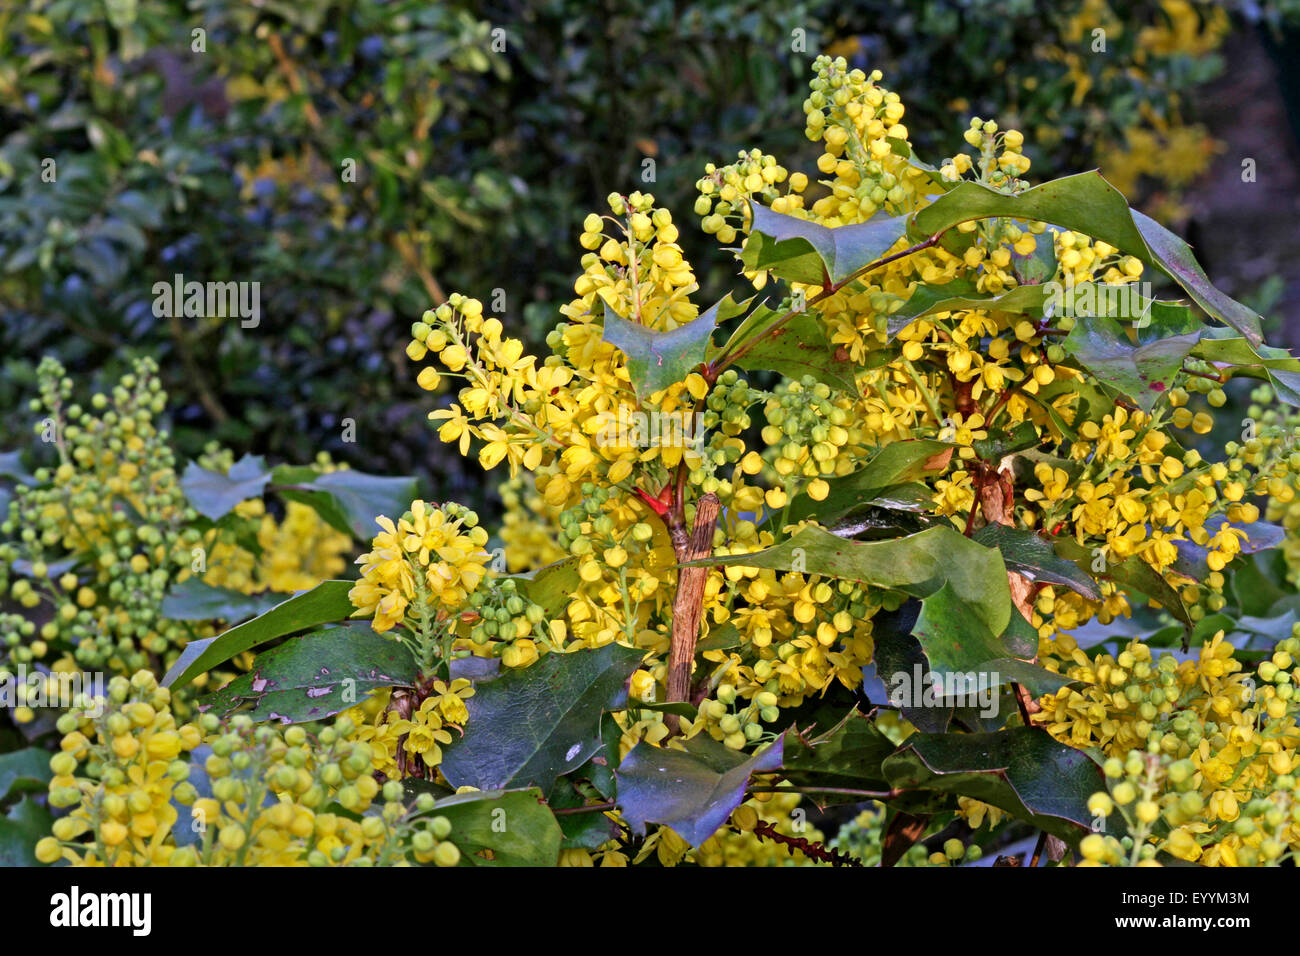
(1201, 755)
(123, 769)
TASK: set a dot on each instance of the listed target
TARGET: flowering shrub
(830, 543)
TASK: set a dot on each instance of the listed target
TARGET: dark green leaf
(1090, 205)
(658, 359)
(26, 824)
(529, 726)
(326, 602)
(1032, 555)
(192, 600)
(1021, 770)
(692, 791)
(315, 676)
(1142, 372)
(502, 828)
(843, 249)
(897, 463)
(21, 770)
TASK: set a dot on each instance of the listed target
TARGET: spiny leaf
(315, 676)
(1088, 204)
(657, 359)
(843, 250)
(529, 726)
(1033, 556)
(326, 602)
(1021, 770)
(213, 494)
(692, 791)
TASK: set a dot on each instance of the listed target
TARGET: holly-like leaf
(325, 603)
(1033, 556)
(21, 770)
(658, 359)
(1021, 770)
(26, 823)
(955, 641)
(192, 600)
(1143, 372)
(1274, 365)
(692, 791)
(499, 828)
(348, 500)
(213, 494)
(315, 676)
(552, 586)
(918, 564)
(785, 245)
(847, 757)
(529, 726)
(1090, 205)
(800, 347)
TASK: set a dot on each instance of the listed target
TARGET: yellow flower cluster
(124, 766)
(1189, 742)
(422, 568)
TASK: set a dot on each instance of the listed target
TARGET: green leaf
(500, 828)
(552, 586)
(586, 831)
(326, 602)
(11, 466)
(348, 500)
(1142, 372)
(26, 824)
(1033, 556)
(954, 640)
(843, 249)
(918, 564)
(21, 770)
(213, 494)
(655, 359)
(692, 791)
(897, 463)
(848, 756)
(999, 444)
(192, 600)
(800, 347)
(1021, 770)
(529, 726)
(315, 676)
(1088, 204)
(1277, 366)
